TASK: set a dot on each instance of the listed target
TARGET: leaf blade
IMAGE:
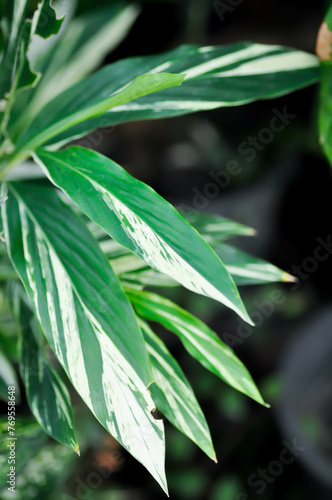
(201, 342)
(174, 396)
(216, 77)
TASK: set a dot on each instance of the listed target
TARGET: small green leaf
(137, 217)
(173, 394)
(199, 340)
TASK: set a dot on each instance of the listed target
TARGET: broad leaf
(248, 270)
(90, 98)
(13, 21)
(86, 317)
(324, 50)
(215, 77)
(47, 395)
(199, 340)
(173, 394)
(7, 378)
(138, 218)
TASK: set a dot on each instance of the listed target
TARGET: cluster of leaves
(87, 239)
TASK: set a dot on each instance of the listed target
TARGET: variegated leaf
(173, 394)
(215, 77)
(141, 220)
(86, 318)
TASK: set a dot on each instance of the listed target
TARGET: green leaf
(45, 20)
(138, 218)
(173, 394)
(13, 23)
(214, 228)
(199, 340)
(88, 321)
(215, 77)
(89, 98)
(324, 49)
(47, 395)
(7, 378)
(78, 49)
(248, 270)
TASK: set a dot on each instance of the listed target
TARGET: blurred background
(283, 190)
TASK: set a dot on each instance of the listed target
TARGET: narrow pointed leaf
(199, 340)
(216, 77)
(46, 20)
(90, 98)
(173, 394)
(141, 220)
(47, 395)
(86, 317)
(44, 23)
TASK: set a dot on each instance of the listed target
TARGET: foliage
(88, 238)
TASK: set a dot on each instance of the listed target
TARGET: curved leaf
(141, 220)
(199, 340)
(229, 75)
(89, 98)
(86, 318)
(173, 394)
(47, 395)
(80, 48)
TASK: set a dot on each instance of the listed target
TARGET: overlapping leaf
(173, 394)
(86, 318)
(7, 378)
(138, 218)
(214, 77)
(47, 395)
(199, 340)
(90, 98)
(324, 49)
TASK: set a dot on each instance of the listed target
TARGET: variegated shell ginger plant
(80, 248)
